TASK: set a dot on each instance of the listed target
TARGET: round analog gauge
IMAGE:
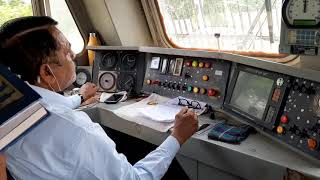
(126, 82)
(302, 13)
(107, 81)
(82, 76)
(129, 61)
(108, 61)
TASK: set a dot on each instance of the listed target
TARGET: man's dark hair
(26, 43)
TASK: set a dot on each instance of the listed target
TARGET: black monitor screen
(251, 93)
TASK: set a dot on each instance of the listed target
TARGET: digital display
(304, 22)
(8, 94)
(251, 93)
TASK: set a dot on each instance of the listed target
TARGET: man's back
(68, 145)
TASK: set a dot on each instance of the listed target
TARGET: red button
(155, 82)
(207, 65)
(284, 119)
(188, 63)
(212, 92)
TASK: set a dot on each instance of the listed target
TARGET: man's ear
(46, 74)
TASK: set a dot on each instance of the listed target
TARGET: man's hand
(3, 165)
(94, 99)
(88, 90)
(185, 126)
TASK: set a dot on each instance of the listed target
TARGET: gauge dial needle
(305, 6)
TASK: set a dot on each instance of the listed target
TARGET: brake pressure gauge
(301, 13)
(107, 81)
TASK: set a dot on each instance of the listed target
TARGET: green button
(189, 88)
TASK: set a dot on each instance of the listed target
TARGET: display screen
(251, 93)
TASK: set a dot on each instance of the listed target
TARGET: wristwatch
(82, 98)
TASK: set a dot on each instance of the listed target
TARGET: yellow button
(205, 78)
(201, 64)
(195, 64)
(195, 90)
(280, 130)
(148, 81)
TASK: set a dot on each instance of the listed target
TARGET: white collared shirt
(68, 145)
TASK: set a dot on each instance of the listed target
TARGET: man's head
(35, 49)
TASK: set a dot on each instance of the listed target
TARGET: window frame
(81, 19)
(167, 40)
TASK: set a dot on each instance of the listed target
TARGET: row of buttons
(198, 64)
(184, 87)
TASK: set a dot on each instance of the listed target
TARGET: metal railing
(243, 25)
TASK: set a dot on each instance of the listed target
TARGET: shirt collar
(49, 96)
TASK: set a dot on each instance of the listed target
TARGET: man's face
(65, 72)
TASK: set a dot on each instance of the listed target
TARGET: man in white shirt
(67, 144)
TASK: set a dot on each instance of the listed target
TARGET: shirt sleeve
(98, 159)
(74, 101)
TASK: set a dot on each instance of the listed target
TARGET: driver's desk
(258, 157)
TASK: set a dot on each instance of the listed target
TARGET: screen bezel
(29, 95)
(258, 72)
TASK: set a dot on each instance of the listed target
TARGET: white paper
(131, 113)
(160, 116)
(160, 113)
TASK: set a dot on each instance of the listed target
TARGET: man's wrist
(178, 138)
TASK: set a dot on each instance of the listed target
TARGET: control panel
(195, 78)
(299, 123)
(287, 108)
(116, 70)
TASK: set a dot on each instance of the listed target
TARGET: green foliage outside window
(14, 8)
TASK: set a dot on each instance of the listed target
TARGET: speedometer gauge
(107, 81)
(301, 13)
